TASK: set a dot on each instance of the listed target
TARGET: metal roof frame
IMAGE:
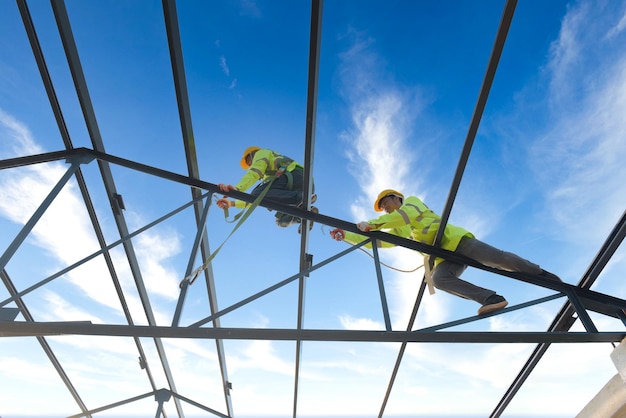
(579, 299)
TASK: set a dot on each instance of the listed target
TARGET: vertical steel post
(381, 286)
(192, 257)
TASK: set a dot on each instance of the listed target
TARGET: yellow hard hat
(248, 150)
(384, 194)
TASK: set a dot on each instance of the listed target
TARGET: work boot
(313, 200)
(550, 276)
(284, 220)
(493, 303)
(314, 210)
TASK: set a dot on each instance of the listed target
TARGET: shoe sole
(313, 200)
(493, 307)
(314, 210)
(549, 276)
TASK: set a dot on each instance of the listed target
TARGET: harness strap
(246, 213)
(289, 179)
(428, 274)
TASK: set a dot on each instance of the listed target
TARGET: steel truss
(579, 299)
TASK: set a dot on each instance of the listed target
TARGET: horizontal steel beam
(26, 329)
(590, 299)
(322, 219)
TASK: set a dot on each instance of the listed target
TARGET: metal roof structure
(578, 300)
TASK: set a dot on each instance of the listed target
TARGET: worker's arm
(224, 203)
(352, 238)
(396, 219)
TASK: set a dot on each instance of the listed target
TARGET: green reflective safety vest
(416, 221)
(264, 165)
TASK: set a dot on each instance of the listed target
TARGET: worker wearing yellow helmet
(411, 218)
(264, 164)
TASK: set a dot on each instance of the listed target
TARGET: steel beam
(505, 23)
(104, 250)
(565, 318)
(82, 91)
(184, 112)
(307, 192)
(33, 329)
(276, 286)
(23, 309)
(65, 135)
(381, 287)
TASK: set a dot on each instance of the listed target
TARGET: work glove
(364, 226)
(337, 234)
(226, 187)
(224, 203)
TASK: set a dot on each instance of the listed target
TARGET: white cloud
(23, 190)
(13, 368)
(59, 309)
(16, 137)
(579, 157)
(224, 66)
(261, 355)
(65, 235)
(619, 27)
(580, 150)
(153, 251)
(351, 323)
(380, 151)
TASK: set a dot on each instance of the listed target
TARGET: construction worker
(287, 185)
(411, 218)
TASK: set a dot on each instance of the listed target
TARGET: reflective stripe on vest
(427, 257)
(420, 217)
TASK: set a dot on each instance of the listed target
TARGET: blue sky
(398, 83)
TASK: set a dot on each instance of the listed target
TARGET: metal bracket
(162, 395)
(117, 203)
(8, 314)
(309, 262)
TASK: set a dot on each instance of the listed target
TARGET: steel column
(82, 91)
(309, 145)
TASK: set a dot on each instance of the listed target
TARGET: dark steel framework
(579, 299)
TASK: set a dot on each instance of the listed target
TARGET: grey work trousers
(446, 275)
(283, 192)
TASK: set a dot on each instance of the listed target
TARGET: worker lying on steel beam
(281, 174)
(411, 218)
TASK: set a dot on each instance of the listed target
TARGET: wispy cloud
(349, 322)
(579, 157)
(261, 355)
(23, 190)
(17, 139)
(380, 148)
(382, 112)
(226, 70)
(249, 8)
(224, 66)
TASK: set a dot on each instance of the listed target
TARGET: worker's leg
(493, 257)
(280, 192)
(285, 189)
(446, 277)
